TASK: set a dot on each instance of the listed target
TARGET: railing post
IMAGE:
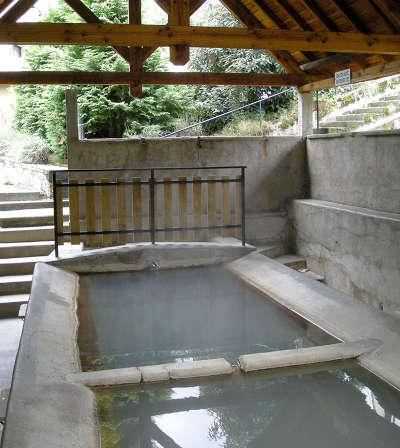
(55, 219)
(243, 200)
(152, 207)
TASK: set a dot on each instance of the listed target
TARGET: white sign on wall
(343, 77)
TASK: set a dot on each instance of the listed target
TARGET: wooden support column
(135, 53)
(305, 112)
(179, 14)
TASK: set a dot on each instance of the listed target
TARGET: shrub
(24, 148)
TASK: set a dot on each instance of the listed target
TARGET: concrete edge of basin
(336, 313)
(309, 355)
(142, 256)
(45, 410)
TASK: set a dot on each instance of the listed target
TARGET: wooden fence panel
(182, 193)
(60, 213)
(121, 201)
(106, 211)
(90, 216)
(197, 206)
(137, 209)
(226, 205)
(211, 206)
(74, 211)
(168, 221)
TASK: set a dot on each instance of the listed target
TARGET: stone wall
(274, 176)
(32, 176)
(349, 230)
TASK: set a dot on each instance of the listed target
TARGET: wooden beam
(339, 59)
(391, 8)
(210, 37)
(90, 17)
(179, 14)
(17, 11)
(347, 12)
(367, 74)
(294, 15)
(158, 78)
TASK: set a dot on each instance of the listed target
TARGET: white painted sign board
(343, 77)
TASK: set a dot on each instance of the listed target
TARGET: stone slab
(111, 377)
(154, 373)
(333, 311)
(308, 355)
(196, 369)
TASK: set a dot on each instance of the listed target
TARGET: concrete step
(26, 249)
(15, 284)
(296, 262)
(351, 117)
(392, 98)
(383, 103)
(14, 194)
(19, 266)
(28, 217)
(22, 311)
(342, 124)
(367, 110)
(21, 205)
(10, 304)
(26, 234)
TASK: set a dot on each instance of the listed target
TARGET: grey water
(159, 316)
(324, 407)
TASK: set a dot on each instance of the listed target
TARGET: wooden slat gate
(119, 206)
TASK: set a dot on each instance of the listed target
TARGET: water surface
(144, 318)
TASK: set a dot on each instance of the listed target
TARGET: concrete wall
(358, 169)
(275, 169)
(349, 230)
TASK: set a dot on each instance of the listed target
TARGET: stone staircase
(364, 115)
(26, 237)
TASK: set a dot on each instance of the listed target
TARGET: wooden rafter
(381, 9)
(320, 15)
(347, 12)
(17, 10)
(210, 37)
(369, 73)
(240, 11)
(4, 4)
(237, 79)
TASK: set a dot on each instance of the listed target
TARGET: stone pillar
(74, 131)
(305, 114)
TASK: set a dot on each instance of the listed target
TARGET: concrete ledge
(138, 257)
(44, 410)
(196, 369)
(112, 377)
(338, 314)
(309, 355)
(154, 373)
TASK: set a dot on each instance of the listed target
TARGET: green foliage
(209, 101)
(107, 111)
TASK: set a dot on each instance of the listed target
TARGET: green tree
(210, 101)
(106, 111)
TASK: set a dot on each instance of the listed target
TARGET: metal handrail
(152, 182)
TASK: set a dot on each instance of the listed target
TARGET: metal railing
(65, 180)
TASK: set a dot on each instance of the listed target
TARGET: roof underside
(363, 17)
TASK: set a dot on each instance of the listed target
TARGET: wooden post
(135, 53)
(179, 14)
(238, 206)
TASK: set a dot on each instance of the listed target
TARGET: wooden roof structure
(311, 39)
